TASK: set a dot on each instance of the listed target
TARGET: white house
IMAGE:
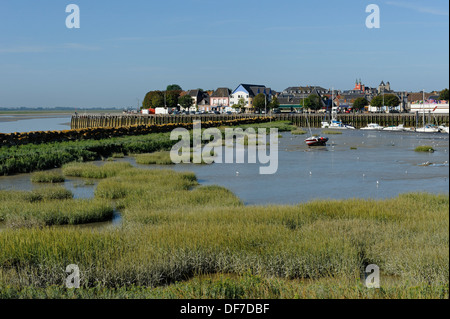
(248, 93)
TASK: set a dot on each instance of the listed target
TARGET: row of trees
(170, 98)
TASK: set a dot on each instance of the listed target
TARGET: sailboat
(335, 124)
(429, 128)
(314, 140)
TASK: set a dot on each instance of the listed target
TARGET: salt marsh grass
(163, 158)
(424, 148)
(175, 231)
(89, 170)
(331, 132)
(298, 132)
(50, 206)
(47, 177)
(159, 158)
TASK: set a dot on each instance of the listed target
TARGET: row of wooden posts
(356, 120)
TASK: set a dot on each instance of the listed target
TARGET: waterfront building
(200, 100)
(431, 105)
(247, 92)
(220, 99)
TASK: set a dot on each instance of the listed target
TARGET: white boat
(399, 128)
(428, 129)
(334, 123)
(373, 127)
(444, 129)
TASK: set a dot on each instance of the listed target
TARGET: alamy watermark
(235, 141)
(73, 19)
(73, 280)
(372, 276)
(373, 20)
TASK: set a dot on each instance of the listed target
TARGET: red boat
(316, 141)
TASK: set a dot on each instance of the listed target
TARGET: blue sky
(126, 48)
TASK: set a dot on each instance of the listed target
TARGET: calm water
(335, 171)
(29, 123)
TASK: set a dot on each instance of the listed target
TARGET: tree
(312, 102)
(377, 101)
(174, 87)
(153, 99)
(241, 104)
(444, 95)
(146, 102)
(360, 103)
(172, 99)
(391, 100)
(274, 104)
(186, 101)
(259, 102)
(157, 99)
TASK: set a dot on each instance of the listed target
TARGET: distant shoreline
(56, 112)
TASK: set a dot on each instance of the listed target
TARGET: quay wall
(356, 120)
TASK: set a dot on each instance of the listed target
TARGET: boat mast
(423, 108)
(307, 120)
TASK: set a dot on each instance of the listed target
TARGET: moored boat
(428, 129)
(399, 128)
(444, 129)
(373, 127)
(316, 141)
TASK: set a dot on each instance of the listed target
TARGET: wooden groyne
(356, 120)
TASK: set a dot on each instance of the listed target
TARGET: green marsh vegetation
(50, 206)
(47, 177)
(158, 158)
(163, 158)
(30, 157)
(118, 155)
(182, 240)
(331, 132)
(37, 157)
(90, 170)
(424, 148)
(298, 131)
